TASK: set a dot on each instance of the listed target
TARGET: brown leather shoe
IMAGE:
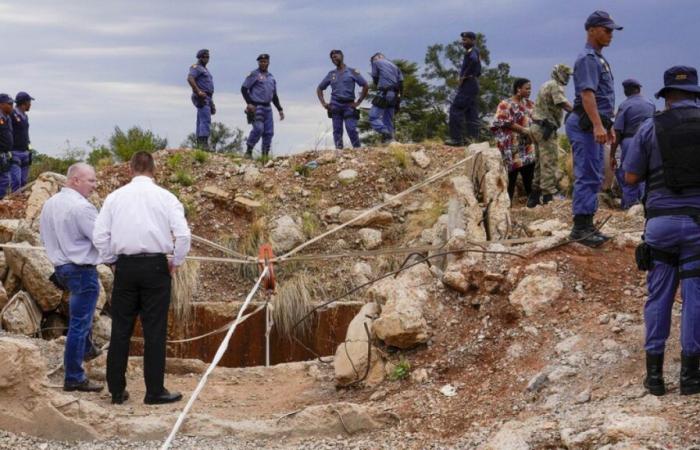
(85, 386)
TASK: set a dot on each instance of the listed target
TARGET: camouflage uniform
(549, 110)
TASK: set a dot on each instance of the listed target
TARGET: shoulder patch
(194, 65)
(355, 71)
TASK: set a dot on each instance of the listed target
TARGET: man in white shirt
(135, 231)
(66, 225)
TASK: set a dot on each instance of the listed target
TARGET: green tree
(100, 155)
(420, 116)
(442, 65)
(124, 144)
(222, 139)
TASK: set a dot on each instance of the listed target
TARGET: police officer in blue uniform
(6, 144)
(465, 105)
(202, 84)
(259, 89)
(21, 154)
(343, 107)
(630, 115)
(665, 152)
(388, 79)
(589, 126)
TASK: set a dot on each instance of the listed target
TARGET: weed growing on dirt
(309, 224)
(302, 169)
(249, 244)
(183, 177)
(401, 370)
(200, 156)
(176, 161)
(401, 157)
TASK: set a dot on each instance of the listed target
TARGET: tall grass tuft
(184, 286)
(291, 303)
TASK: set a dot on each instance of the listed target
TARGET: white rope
(217, 357)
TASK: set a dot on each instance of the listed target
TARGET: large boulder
(351, 357)
(7, 229)
(401, 323)
(106, 280)
(286, 235)
(46, 185)
(536, 290)
(3, 296)
(487, 174)
(472, 213)
(34, 269)
(4, 268)
(22, 315)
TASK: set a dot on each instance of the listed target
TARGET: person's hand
(613, 162)
(172, 268)
(250, 108)
(201, 93)
(112, 267)
(325, 105)
(600, 134)
(281, 115)
(612, 137)
(355, 105)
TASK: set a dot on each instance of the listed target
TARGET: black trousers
(141, 287)
(465, 108)
(527, 172)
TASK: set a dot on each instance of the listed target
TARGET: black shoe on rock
(162, 398)
(583, 234)
(690, 374)
(452, 143)
(654, 381)
(119, 398)
(533, 199)
(546, 198)
(85, 386)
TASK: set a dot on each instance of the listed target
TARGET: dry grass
(249, 244)
(291, 302)
(426, 217)
(401, 157)
(184, 286)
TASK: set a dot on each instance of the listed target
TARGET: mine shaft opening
(247, 345)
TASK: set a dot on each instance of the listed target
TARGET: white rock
(448, 390)
(534, 291)
(286, 234)
(546, 227)
(251, 174)
(23, 316)
(420, 158)
(347, 175)
(370, 237)
(621, 425)
(361, 273)
(350, 362)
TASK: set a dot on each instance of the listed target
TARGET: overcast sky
(92, 65)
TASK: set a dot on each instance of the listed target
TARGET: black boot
(592, 228)
(266, 153)
(654, 381)
(203, 142)
(690, 375)
(249, 152)
(533, 199)
(583, 234)
(546, 198)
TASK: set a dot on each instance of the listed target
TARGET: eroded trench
(247, 345)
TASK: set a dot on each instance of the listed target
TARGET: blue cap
(22, 97)
(263, 56)
(468, 34)
(601, 19)
(680, 78)
(4, 98)
(631, 82)
(202, 52)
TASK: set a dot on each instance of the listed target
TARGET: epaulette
(194, 65)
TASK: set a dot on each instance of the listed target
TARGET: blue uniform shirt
(6, 139)
(20, 128)
(592, 72)
(342, 83)
(202, 78)
(387, 73)
(261, 86)
(471, 64)
(644, 157)
(631, 113)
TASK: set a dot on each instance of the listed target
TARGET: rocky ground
(542, 349)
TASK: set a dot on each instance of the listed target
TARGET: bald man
(66, 224)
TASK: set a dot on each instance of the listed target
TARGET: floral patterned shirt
(517, 150)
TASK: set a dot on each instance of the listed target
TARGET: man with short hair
(547, 116)
(665, 152)
(66, 224)
(21, 154)
(589, 126)
(630, 115)
(259, 90)
(465, 105)
(388, 80)
(343, 107)
(6, 143)
(134, 231)
(202, 84)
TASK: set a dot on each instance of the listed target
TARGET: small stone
(448, 390)
(370, 237)
(347, 176)
(583, 397)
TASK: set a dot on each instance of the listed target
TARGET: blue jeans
(82, 283)
(588, 167)
(679, 235)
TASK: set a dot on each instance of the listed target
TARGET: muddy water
(247, 346)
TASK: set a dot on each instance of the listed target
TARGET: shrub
(200, 156)
(135, 139)
(184, 178)
(401, 370)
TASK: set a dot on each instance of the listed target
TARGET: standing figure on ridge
(664, 152)
(388, 79)
(589, 126)
(547, 116)
(202, 84)
(630, 115)
(465, 105)
(343, 107)
(6, 144)
(259, 89)
(21, 153)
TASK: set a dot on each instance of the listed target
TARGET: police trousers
(19, 171)
(631, 193)
(263, 126)
(344, 113)
(588, 167)
(203, 127)
(465, 108)
(381, 119)
(679, 235)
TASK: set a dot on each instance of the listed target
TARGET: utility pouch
(356, 114)
(249, 116)
(643, 258)
(585, 124)
(380, 101)
(548, 129)
(5, 162)
(329, 113)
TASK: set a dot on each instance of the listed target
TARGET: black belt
(142, 255)
(389, 89)
(77, 265)
(352, 100)
(261, 103)
(683, 211)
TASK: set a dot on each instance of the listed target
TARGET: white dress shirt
(65, 225)
(141, 217)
